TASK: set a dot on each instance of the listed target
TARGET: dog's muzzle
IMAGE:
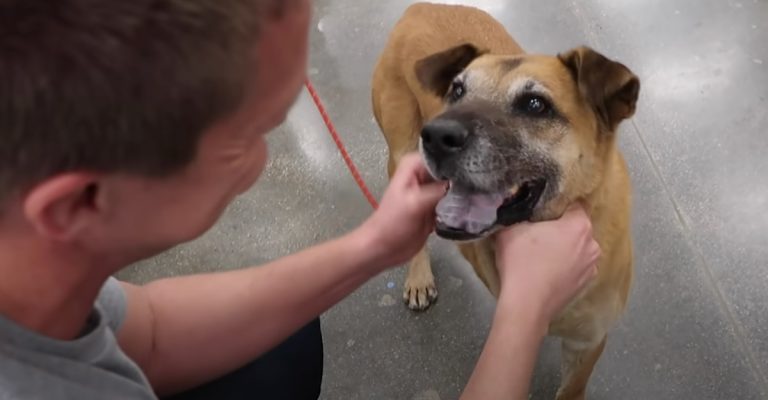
(467, 216)
(465, 213)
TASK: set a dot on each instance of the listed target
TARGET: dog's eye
(456, 91)
(533, 105)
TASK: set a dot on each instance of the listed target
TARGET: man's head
(128, 126)
(520, 137)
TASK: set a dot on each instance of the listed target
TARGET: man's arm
(506, 364)
(184, 331)
(188, 330)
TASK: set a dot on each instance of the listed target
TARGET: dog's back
(436, 27)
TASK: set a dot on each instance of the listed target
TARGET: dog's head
(520, 137)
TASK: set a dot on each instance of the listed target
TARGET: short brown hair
(117, 85)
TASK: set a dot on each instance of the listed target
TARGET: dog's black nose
(444, 137)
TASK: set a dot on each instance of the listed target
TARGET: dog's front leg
(420, 290)
(578, 361)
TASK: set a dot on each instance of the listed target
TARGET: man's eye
(456, 91)
(533, 105)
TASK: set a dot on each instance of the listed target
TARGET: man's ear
(62, 206)
(436, 72)
(610, 87)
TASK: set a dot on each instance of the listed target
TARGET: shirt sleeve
(112, 302)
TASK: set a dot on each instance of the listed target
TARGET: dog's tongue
(473, 213)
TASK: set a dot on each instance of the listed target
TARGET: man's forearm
(229, 318)
(506, 364)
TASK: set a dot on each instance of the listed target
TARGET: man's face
(156, 214)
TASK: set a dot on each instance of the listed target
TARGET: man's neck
(47, 290)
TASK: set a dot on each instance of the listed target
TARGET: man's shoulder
(111, 303)
(33, 366)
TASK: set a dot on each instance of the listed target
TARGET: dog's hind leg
(578, 361)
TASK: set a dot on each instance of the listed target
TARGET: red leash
(343, 150)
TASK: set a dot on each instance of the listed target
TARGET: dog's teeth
(513, 191)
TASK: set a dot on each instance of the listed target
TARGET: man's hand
(406, 214)
(546, 264)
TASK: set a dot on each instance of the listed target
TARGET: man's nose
(443, 137)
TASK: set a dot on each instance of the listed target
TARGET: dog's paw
(419, 294)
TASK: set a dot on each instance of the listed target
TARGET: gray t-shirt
(34, 367)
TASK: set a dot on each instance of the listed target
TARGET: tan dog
(520, 137)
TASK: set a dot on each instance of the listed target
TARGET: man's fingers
(591, 273)
(576, 209)
(405, 170)
(431, 193)
(422, 173)
(416, 163)
(412, 165)
(508, 232)
(587, 276)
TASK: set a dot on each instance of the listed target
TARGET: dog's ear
(609, 86)
(436, 72)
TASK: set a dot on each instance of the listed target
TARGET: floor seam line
(739, 330)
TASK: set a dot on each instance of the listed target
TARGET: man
(126, 128)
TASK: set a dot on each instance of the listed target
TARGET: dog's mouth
(466, 215)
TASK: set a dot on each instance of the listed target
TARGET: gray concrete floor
(697, 325)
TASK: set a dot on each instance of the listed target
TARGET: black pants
(293, 370)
